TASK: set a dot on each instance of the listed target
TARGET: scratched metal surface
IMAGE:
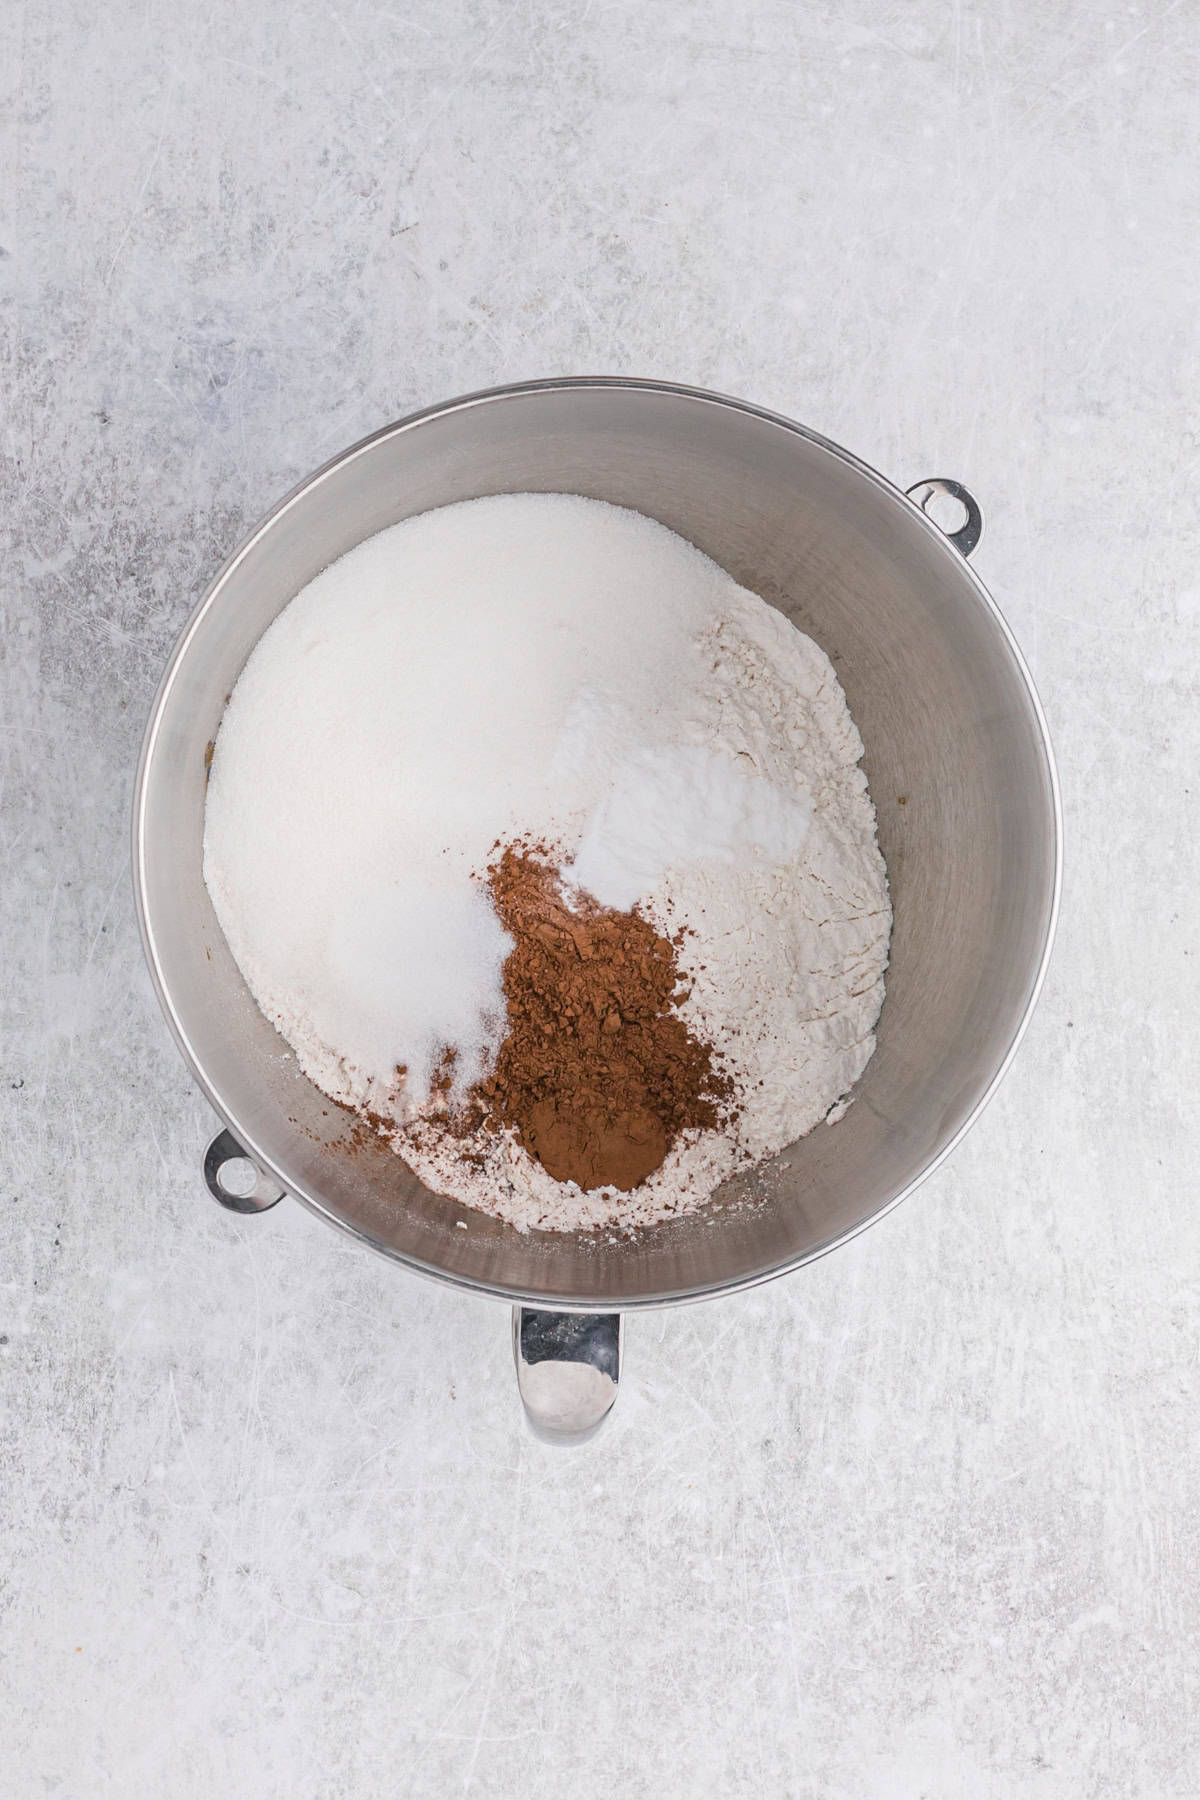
(921, 1521)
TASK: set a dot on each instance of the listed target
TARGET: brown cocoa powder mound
(597, 1076)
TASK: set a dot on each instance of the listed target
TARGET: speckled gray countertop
(923, 1521)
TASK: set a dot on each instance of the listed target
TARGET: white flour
(785, 959)
(548, 667)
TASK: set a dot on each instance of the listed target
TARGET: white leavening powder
(671, 805)
(555, 669)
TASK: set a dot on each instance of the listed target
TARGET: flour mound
(785, 959)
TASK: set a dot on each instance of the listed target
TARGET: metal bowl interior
(956, 754)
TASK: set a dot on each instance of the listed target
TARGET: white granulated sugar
(429, 952)
(555, 669)
(400, 716)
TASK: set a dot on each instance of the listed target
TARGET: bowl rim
(410, 421)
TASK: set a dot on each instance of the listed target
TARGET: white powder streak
(669, 806)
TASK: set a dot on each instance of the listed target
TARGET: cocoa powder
(598, 1076)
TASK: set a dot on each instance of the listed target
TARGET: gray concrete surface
(920, 1523)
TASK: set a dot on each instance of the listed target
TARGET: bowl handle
(971, 529)
(568, 1370)
(261, 1195)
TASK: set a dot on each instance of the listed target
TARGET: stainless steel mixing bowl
(960, 769)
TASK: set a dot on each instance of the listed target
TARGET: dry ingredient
(785, 960)
(668, 805)
(598, 1075)
(553, 672)
(469, 675)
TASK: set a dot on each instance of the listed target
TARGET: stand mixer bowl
(959, 765)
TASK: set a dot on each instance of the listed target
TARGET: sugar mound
(402, 714)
